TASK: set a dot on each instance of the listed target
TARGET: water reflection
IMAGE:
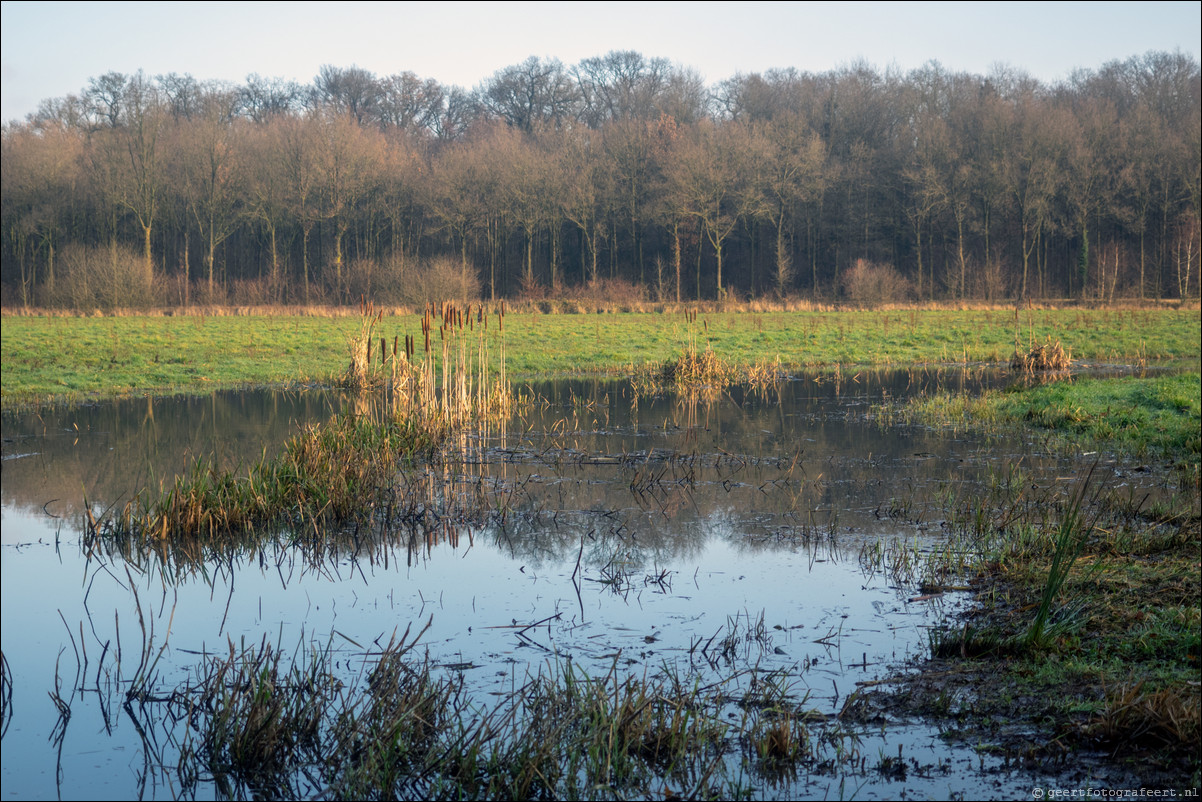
(598, 526)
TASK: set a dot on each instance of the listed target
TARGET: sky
(52, 49)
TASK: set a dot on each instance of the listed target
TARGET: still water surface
(620, 530)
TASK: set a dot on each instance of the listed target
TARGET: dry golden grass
(590, 305)
(1165, 717)
(1046, 356)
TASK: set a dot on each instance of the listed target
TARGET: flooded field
(736, 543)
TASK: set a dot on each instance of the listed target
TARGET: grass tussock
(1041, 358)
(341, 470)
(327, 474)
(260, 723)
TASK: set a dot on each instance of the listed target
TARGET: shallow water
(619, 530)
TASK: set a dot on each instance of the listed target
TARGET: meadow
(54, 358)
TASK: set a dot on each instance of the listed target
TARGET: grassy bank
(1080, 656)
(72, 358)
(1157, 417)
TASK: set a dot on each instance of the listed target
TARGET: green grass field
(71, 358)
(1153, 416)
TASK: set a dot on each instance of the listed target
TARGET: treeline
(622, 174)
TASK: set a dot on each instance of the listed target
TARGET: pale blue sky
(51, 49)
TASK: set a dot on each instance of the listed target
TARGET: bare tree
(39, 171)
(410, 104)
(531, 94)
(350, 160)
(352, 91)
(1033, 175)
(621, 85)
(263, 98)
(793, 173)
(707, 176)
(181, 93)
(105, 98)
(208, 155)
(585, 177)
(128, 151)
(301, 156)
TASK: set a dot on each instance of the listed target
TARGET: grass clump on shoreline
(333, 472)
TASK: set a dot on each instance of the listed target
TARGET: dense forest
(623, 175)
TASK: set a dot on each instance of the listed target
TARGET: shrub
(606, 293)
(869, 284)
(102, 277)
(413, 283)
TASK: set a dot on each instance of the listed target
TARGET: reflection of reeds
(6, 695)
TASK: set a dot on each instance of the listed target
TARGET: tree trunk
(676, 255)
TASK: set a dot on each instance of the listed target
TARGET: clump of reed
(458, 377)
(257, 722)
(1045, 357)
(775, 732)
(695, 369)
(358, 373)
(1133, 714)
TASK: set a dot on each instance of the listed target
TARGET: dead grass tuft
(1041, 357)
(1170, 716)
